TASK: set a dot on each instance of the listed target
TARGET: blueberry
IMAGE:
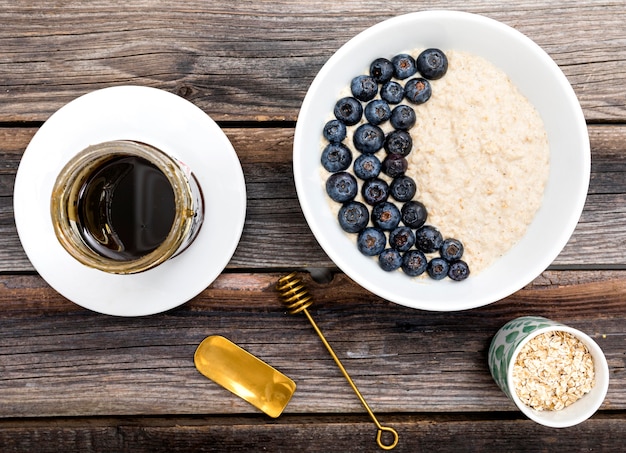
(334, 131)
(437, 268)
(414, 214)
(432, 64)
(394, 165)
(402, 238)
(368, 138)
(414, 263)
(375, 191)
(371, 241)
(390, 260)
(367, 166)
(403, 188)
(451, 250)
(392, 92)
(403, 66)
(428, 239)
(403, 117)
(381, 70)
(364, 88)
(348, 110)
(341, 187)
(418, 90)
(377, 111)
(336, 157)
(459, 270)
(398, 142)
(386, 216)
(353, 216)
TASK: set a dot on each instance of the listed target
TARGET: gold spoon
(245, 375)
(297, 299)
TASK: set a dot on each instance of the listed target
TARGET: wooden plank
(58, 359)
(423, 432)
(259, 54)
(276, 234)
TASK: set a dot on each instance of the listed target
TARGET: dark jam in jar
(126, 208)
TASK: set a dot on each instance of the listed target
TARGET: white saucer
(169, 123)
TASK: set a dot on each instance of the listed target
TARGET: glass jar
(124, 207)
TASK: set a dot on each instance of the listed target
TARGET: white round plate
(169, 123)
(535, 74)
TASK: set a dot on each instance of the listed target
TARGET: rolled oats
(552, 371)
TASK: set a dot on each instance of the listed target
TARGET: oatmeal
(480, 158)
(552, 371)
(477, 161)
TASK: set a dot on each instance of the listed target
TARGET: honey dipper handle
(381, 428)
(379, 436)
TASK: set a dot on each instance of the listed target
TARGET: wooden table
(74, 380)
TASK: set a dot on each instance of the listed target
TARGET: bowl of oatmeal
(556, 375)
(495, 158)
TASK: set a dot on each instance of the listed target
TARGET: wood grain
(417, 433)
(74, 381)
(276, 234)
(260, 54)
(61, 360)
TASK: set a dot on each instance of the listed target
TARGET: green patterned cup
(510, 340)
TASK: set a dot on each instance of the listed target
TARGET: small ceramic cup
(503, 352)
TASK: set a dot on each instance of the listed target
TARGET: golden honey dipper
(297, 299)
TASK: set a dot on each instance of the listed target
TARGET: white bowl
(538, 78)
